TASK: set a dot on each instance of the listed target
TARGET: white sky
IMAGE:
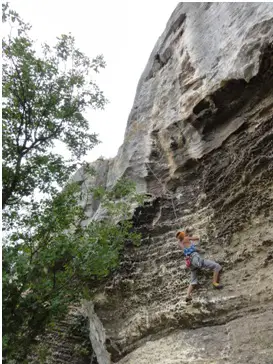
(124, 32)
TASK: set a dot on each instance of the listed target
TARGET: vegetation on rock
(46, 91)
(49, 259)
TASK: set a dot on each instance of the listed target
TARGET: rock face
(199, 139)
(66, 342)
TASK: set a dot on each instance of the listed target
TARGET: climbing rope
(164, 189)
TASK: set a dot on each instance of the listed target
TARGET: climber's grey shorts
(198, 262)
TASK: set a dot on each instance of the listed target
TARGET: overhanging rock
(199, 140)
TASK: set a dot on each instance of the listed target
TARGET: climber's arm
(196, 241)
(194, 238)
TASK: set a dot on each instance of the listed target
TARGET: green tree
(45, 94)
(49, 259)
(57, 261)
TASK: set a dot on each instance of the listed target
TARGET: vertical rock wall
(199, 140)
(204, 47)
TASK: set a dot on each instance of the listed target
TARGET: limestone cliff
(199, 140)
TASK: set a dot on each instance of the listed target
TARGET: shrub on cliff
(56, 261)
(49, 259)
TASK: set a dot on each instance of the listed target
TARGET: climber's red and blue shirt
(188, 251)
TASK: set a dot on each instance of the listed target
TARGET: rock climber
(194, 261)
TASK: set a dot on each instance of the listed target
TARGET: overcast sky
(124, 32)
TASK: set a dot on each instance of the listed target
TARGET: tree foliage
(54, 263)
(49, 259)
(45, 94)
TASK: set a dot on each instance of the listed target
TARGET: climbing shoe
(188, 299)
(217, 285)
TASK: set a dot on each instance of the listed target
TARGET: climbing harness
(188, 261)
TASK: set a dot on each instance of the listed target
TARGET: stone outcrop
(65, 342)
(199, 140)
(97, 334)
(205, 48)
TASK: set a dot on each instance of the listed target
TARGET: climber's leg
(192, 285)
(210, 264)
(189, 291)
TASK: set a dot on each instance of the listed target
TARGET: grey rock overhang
(203, 45)
(202, 122)
(223, 39)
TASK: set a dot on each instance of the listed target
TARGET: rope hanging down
(164, 188)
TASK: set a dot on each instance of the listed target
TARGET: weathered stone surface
(199, 139)
(203, 47)
(97, 334)
(66, 342)
(96, 176)
(244, 340)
